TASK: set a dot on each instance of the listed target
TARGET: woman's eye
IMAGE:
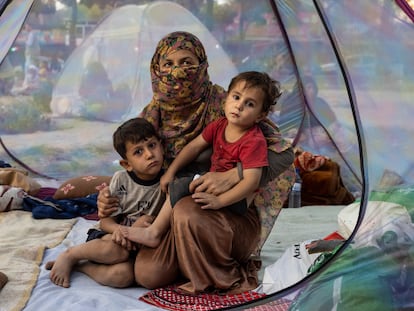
(166, 65)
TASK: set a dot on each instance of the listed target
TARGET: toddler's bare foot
(61, 269)
(141, 235)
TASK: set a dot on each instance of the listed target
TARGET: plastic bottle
(295, 193)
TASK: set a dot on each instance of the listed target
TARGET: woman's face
(179, 58)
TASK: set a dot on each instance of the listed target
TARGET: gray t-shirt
(137, 197)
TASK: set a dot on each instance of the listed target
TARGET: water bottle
(295, 193)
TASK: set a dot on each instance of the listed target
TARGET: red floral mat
(171, 298)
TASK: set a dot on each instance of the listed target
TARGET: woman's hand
(214, 182)
(165, 180)
(107, 204)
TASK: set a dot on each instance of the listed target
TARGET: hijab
(184, 100)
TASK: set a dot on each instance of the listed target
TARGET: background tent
(359, 53)
(123, 44)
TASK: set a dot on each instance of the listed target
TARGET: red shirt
(250, 149)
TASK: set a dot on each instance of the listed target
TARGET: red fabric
(250, 149)
(334, 236)
(45, 192)
(93, 216)
(171, 298)
(308, 162)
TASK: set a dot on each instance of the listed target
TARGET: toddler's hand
(118, 238)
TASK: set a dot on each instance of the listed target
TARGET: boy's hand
(107, 204)
(207, 200)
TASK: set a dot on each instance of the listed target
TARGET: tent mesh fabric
(345, 68)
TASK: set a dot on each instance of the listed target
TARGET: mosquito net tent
(356, 54)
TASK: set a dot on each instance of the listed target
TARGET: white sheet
(84, 293)
(292, 226)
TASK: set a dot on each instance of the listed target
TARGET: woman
(210, 249)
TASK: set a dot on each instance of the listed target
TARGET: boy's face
(144, 158)
(243, 106)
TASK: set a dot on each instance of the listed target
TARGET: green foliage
(21, 114)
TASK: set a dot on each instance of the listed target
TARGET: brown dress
(204, 249)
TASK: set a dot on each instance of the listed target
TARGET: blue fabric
(4, 164)
(60, 209)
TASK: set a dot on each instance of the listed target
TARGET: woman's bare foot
(61, 269)
(145, 236)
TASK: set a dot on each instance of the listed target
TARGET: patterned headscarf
(184, 100)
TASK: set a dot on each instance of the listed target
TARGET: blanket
(23, 241)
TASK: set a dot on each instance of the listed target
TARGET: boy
(236, 139)
(106, 251)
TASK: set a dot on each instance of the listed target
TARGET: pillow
(82, 186)
(19, 178)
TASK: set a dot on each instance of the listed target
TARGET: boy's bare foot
(141, 235)
(61, 269)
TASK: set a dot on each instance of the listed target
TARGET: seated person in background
(237, 138)
(139, 192)
(320, 131)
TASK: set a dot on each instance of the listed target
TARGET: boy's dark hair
(134, 131)
(269, 86)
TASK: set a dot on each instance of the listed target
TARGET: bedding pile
(23, 243)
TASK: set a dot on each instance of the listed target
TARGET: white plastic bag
(290, 268)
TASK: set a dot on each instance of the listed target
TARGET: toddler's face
(243, 105)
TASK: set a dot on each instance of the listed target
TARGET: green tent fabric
(360, 279)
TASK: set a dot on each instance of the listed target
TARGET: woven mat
(171, 298)
(276, 305)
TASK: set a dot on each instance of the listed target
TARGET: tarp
(358, 53)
